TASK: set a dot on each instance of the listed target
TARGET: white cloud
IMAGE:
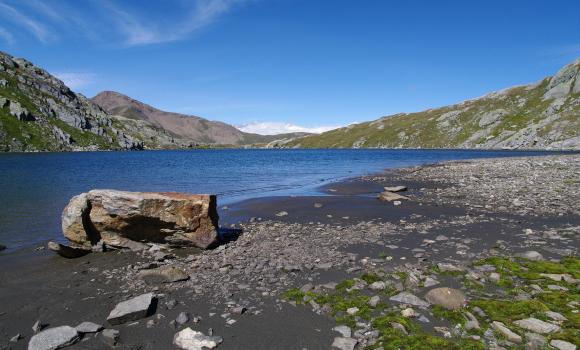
(274, 128)
(34, 27)
(76, 80)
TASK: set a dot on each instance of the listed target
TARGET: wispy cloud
(36, 28)
(274, 128)
(76, 80)
(112, 21)
(141, 31)
(6, 36)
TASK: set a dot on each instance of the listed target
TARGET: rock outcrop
(119, 218)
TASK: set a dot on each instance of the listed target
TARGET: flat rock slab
(54, 338)
(188, 339)
(133, 309)
(537, 326)
(88, 327)
(449, 298)
(408, 298)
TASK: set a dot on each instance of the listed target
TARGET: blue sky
(276, 64)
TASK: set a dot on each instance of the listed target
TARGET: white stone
(188, 339)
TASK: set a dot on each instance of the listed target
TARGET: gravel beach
(292, 269)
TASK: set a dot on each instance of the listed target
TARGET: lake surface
(34, 188)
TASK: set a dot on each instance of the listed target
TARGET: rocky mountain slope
(536, 116)
(38, 112)
(182, 128)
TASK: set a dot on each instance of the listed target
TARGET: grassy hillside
(541, 115)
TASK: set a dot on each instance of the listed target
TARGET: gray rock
(15, 338)
(562, 345)
(88, 327)
(182, 318)
(535, 341)
(506, 332)
(374, 300)
(446, 267)
(37, 326)
(449, 298)
(379, 285)
(110, 336)
(399, 327)
(343, 343)
(54, 338)
(532, 255)
(189, 339)
(556, 316)
(537, 326)
(387, 196)
(408, 298)
(133, 309)
(345, 331)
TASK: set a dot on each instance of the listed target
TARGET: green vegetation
(497, 302)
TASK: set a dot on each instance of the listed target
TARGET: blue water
(34, 188)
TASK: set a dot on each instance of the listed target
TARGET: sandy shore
(457, 213)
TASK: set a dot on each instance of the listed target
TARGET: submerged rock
(133, 309)
(117, 216)
(188, 339)
(54, 338)
(67, 251)
(387, 196)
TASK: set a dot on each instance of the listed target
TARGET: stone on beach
(387, 196)
(132, 309)
(395, 188)
(449, 298)
(67, 251)
(54, 338)
(164, 274)
(117, 216)
(188, 339)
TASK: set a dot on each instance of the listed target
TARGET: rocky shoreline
(341, 270)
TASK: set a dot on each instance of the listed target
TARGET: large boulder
(116, 217)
